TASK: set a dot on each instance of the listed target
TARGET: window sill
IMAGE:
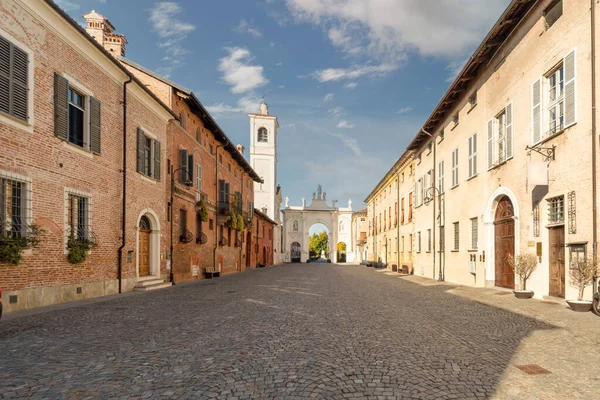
(472, 177)
(454, 127)
(77, 149)
(454, 251)
(16, 122)
(147, 179)
(455, 186)
(554, 225)
(548, 138)
(471, 108)
(472, 251)
(501, 163)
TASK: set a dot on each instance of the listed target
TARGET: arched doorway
(144, 246)
(341, 252)
(504, 243)
(295, 252)
(319, 242)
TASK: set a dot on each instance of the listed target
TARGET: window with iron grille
(456, 236)
(474, 233)
(78, 216)
(418, 242)
(428, 240)
(556, 210)
(442, 239)
(13, 208)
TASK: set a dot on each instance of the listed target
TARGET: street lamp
(431, 192)
(189, 184)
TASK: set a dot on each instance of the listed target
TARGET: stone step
(148, 282)
(159, 285)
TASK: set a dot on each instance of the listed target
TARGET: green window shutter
(95, 125)
(61, 107)
(570, 96)
(157, 160)
(190, 169)
(20, 65)
(183, 160)
(141, 139)
(5, 61)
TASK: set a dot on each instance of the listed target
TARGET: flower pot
(580, 306)
(523, 294)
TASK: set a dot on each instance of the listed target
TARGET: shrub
(11, 249)
(582, 274)
(78, 249)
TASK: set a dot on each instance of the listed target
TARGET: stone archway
(147, 244)
(295, 252)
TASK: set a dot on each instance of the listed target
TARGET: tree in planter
(523, 266)
(11, 248)
(582, 274)
(79, 248)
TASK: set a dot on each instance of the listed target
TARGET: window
(186, 167)
(553, 13)
(456, 236)
(385, 226)
(410, 206)
(341, 226)
(410, 242)
(455, 120)
(429, 240)
(78, 216)
(198, 227)
(14, 80)
(556, 85)
(455, 168)
(220, 158)
(210, 146)
(396, 214)
(500, 137)
(229, 236)
(473, 99)
(198, 182)
(263, 136)
(402, 243)
(76, 117)
(182, 225)
(182, 119)
(223, 197)
(473, 155)
(418, 242)
(556, 210)
(210, 224)
(441, 177)
(474, 233)
(402, 211)
(148, 155)
(441, 135)
(14, 209)
(442, 239)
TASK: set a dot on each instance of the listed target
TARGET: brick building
(261, 239)
(70, 161)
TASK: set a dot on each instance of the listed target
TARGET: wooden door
(144, 247)
(557, 261)
(504, 243)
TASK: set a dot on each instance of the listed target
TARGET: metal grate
(474, 233)
(572, 213)
(536, 221)
(12, 208)
(78, 216)
(533, 369)
(556, 210)
(456, 236)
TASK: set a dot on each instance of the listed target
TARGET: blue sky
(351, 81)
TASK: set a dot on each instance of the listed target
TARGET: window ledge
(77, 149)
(454, 127)
(472, 177)
(16, 122)
(502, 163)
(555, 224)
(471, 108)
(454, 251)
(455, 186)
(549, 138)
(472, 250)
(147, 179)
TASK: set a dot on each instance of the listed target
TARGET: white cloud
(328, 97)
(247, 104)
(404, 110)
(239, 73)
(344, 125)
(102, 1)
(390, 29)
(244, 27)
(67, 5)
(281, 86)
(337, 111)
(279, 64)
(351, 85)
(220, 108)
(354, 72)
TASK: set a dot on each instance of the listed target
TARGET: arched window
(263, 135)
(295, 226)
(145, 224)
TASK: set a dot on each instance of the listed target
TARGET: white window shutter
(474, 157)
(509, 130)
(470, 156)
(570, 111)
(536, 115)
(490, 143)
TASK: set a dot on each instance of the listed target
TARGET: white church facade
(263, 158)
(297, 221)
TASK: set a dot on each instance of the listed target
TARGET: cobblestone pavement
(302, 331)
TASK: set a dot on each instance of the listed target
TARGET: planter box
(523, 294)
(580, 306)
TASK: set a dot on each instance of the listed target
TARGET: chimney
(100, 28)
(240, 148)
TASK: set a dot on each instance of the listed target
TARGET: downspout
(594, 194)
(124, 202)
(433, 195)
(398, 219)
(217, 202)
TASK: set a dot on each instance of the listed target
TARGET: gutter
(124, 202)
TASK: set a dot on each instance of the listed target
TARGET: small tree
(582, 274)
(523, 265)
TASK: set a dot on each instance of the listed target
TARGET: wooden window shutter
(536, 114)
(20, 65)
(570, 98)
(61, 107)
(141, 143)
(157, 160)
(190, 169)
(490, 144)
(5, 61)
(471, 156)
(227, 193)
(221, 190)
(183, 161)
(509, 130)
(95, 125)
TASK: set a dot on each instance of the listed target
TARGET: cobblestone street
(302, 331)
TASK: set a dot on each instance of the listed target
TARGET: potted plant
(523, 265)
(582, 274)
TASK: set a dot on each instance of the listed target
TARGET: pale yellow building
(511, 147)
(390, 215)
(360, 228)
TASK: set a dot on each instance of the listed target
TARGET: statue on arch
(319, 192)
(287, 202)
(324, 195)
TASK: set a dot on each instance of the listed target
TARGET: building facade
(511, 147)
(358, 236)
(69, 163)
(261, 239)
(390, 216)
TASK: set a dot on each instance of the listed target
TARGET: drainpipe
(124, 202)
(594, 194)
(398, 219)
(433, 195)
(217, 201)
